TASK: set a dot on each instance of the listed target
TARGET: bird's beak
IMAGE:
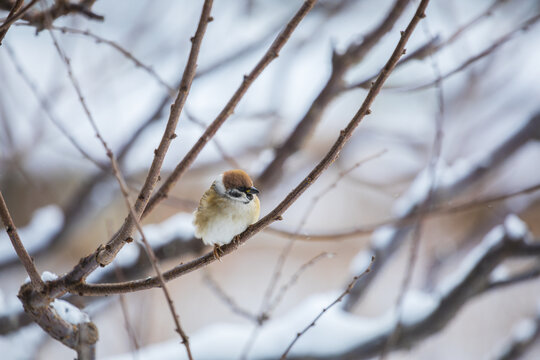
(252, 190)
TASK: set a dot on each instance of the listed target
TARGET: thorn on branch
(210, 18)
(173, 136)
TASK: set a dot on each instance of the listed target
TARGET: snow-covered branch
(341, 335)
(523, 335)
(451, 181)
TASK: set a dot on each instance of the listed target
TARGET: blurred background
(471, 71)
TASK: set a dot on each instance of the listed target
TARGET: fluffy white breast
(232, 219)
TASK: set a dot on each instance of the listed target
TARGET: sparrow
(226, 209)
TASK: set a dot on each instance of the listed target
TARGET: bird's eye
(235, 193)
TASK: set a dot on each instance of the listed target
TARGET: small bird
(226, 209)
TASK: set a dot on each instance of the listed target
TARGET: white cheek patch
(218, 183)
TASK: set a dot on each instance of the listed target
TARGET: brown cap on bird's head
(235, 179)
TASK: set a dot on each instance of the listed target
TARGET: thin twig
(229, 301)
(76, 86)
(5, 26)
(152, 257)
(435, 45)
(125, 313)
(25, 258)
(14, 17)
(413, 217)
(47, 110)
(312, 324)
(426, 206)
(496, 44)
(217, 143)
(312, 205)
(268, 306)
(294, 278)
(64, 29)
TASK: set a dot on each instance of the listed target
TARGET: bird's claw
(217, 250)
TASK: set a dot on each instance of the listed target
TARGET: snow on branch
(523, 335)
(341, 335)
(451, 181)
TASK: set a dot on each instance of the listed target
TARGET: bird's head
(235, 185)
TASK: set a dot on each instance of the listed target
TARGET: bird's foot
(217, 251)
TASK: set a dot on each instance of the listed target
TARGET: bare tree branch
(5, 26)
(47, 110)
(148, 248)
(26, 260)
(426, 206)
(314, 322)
(37, 302)
(276, 213)
(524, 334)
(42, 19)
(435, 44)
(101, 40)
(435, 211)
(394, 234)
(488, 51)
(229, 301)
(471, 279)
(12, 17)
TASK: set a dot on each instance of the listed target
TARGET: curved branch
(275, 214)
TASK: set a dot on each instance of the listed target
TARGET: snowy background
(42, 175)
